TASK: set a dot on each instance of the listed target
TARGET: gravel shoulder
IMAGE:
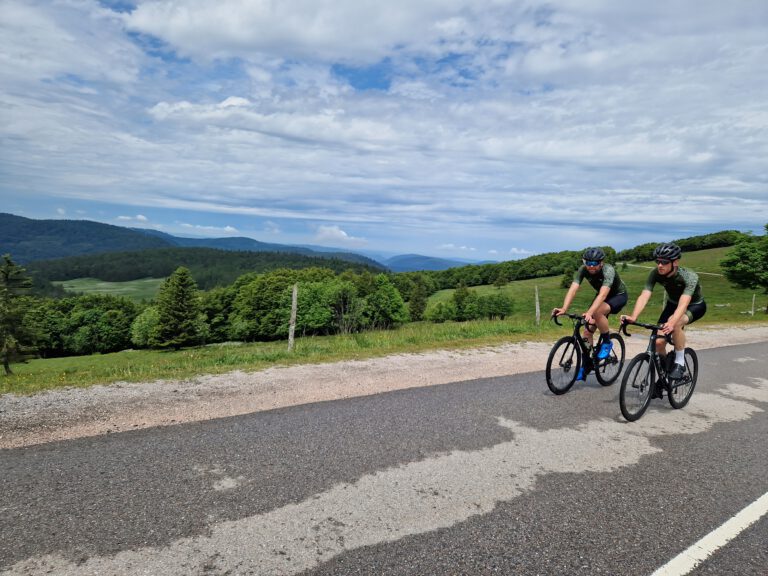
(79, 412)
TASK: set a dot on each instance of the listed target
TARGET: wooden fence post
(292, 325)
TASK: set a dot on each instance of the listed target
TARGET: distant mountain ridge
(412, 262)
(231, 243)
(26, 239)
(29, 240)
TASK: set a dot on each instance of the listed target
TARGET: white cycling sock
(680, 357)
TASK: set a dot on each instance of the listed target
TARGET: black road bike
(571, 353)
(647, 376)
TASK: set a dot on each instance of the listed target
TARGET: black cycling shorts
(694, 312)
(617, 302)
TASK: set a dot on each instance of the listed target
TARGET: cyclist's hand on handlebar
(667, 328)
(625, 318)
(557, 312)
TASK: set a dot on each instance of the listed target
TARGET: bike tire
(608, 369)
(680, 393)
(563, 365)
(636, 387)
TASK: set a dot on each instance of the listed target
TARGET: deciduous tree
(747, 263)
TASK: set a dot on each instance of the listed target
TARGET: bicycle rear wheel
(681, 390)
(563, 365)
(608, 369)
(636, 387)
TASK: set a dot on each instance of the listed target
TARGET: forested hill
(28, 240)
(210, 267)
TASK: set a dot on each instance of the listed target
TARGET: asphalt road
(492, 476)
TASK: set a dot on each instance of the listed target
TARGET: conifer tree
(15, 339)
(178, 312)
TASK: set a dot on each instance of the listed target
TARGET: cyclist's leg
(661, 341)
(601, 320)
(611, 305)
(614, 305)
(678, 337)
(589, 332)
(693, 313)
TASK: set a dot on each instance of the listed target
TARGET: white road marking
(415, 498)
(686, 561)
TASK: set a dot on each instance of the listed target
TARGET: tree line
(256, 307)
(644, 252)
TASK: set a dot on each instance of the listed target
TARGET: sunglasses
(592, 262)
(663, 262)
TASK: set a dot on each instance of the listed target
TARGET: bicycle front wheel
(608, 369)
(563, 365)
(636, 387)
(681, 390)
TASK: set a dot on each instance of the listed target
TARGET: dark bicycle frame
(578, 322)
(583, 352)
(658, 375)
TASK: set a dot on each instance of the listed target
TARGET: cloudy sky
(478, 129)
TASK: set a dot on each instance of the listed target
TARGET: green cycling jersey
(606, 276)
(684, 282)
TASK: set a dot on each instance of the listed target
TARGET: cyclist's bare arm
(569, 296)
(640, 304)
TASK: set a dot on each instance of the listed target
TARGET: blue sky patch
(375, 77)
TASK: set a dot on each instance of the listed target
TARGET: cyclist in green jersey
(610, 299)
(684, 301)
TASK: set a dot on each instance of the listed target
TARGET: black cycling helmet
(593, 254)
(667, 251)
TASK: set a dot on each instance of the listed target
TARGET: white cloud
(197, 228)
(137, 218)
(75, 40)
(519, 252)
(271, 228)
(456, 248)
(311, 29)
(334, 235)
(492, 119)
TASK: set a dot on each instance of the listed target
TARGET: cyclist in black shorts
(610, 299)
(684, 301)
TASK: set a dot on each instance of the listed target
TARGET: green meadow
(141, 290)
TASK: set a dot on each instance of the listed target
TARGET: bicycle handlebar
(625, 323)
(576, 317)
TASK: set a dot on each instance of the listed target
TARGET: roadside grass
(727, 306)
(149, 365)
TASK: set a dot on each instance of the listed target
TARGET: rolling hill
(28, 240)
